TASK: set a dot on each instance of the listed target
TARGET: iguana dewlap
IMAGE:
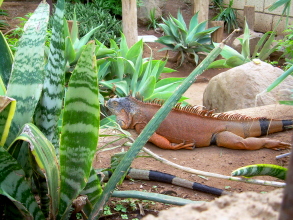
(188, 127)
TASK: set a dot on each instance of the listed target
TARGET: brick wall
(265, 20)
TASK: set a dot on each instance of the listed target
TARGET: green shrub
(113, 6)
(286, 45)
(3, 23)
(90, 16)
(228, 15)
(188, 42)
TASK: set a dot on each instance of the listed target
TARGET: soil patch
(211, 159)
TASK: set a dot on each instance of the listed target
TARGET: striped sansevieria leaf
(50, 105)
(6, 60)
(79, 133)
(15, 187)
(45, 157)
(261, 170)
(7, 109)
(26, 80)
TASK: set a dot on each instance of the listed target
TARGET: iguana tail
(168, 178)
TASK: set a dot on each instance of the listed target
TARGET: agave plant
(188, 42)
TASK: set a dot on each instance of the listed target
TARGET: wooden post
(249, 15)
(217, 36)
(129, 21)
(201, 6)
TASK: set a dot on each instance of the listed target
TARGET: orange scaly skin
(189, 127)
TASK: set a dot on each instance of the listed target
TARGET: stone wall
(265, 20)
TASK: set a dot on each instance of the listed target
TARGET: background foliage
(91, 15)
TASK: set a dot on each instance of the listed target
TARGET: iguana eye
(115, 103)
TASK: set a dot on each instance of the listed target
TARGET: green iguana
(189, 127)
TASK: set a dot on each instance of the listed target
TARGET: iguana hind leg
(164, 143)
(233, 141)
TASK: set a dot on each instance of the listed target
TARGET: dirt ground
(211, 159)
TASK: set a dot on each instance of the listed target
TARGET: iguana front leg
(163, 142)
(233, 141)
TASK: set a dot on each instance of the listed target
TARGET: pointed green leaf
(134, 52)
(245, 43)
(100, 52)
(261, 170)
(193, 22)
(166, 29)
(70, 54)
(228, 52)
(45, 157)
(181, 21)
(268, 48)
(6, 60)
(79, 135)
(14, 185)
(234, 61)
(147, 88)
(78, 53)
(82, 41)
(27, 76)
(277, 4)
(280, 79)
(259, 44)
(7, 109)
(166, 40)
(123, 46)
(121, 88)
(50, 105)
(168, 84)
(218, 64)
(93, 188)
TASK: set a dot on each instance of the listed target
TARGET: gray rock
(143, 11)
(253, 40)
(244, 86)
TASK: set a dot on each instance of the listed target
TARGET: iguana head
(123, 108)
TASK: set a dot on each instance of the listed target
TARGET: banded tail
(268, 126)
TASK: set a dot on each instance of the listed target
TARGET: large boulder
(244, 86)
(143, 11)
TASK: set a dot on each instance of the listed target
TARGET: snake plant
(187, 41)
(27, 156)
